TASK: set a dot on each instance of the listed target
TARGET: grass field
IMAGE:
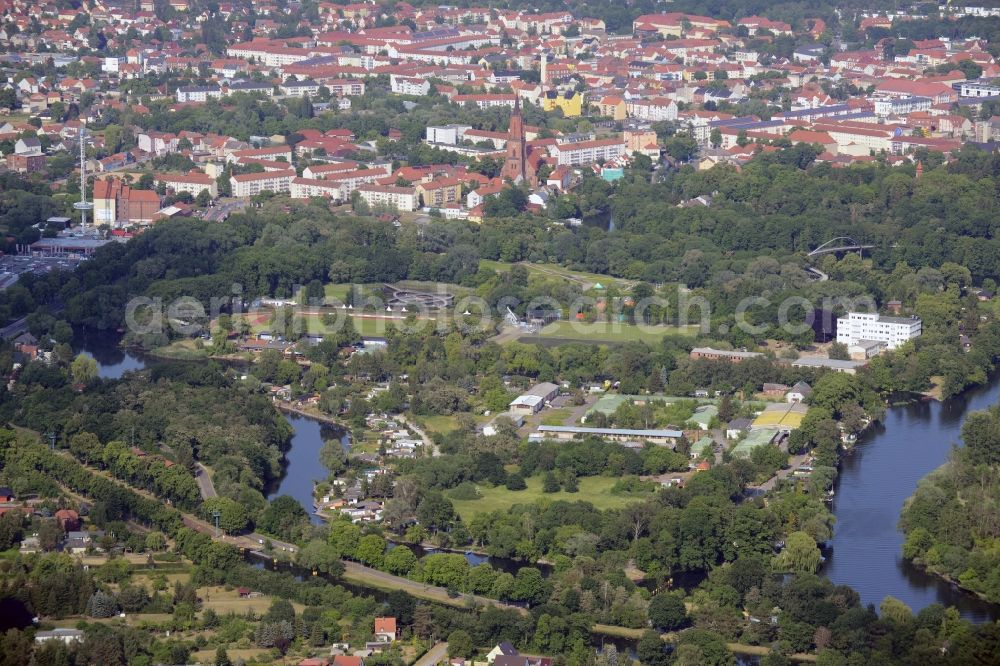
(437, 423)
(556, 417)
(337, 291)
(593, 489)
(584, 279)
(224, 601)
(611, 331)
(182, 350)
(445, 424)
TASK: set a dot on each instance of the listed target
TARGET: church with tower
(517, 166)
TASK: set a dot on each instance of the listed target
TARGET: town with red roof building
(697, 85)
(358, 333)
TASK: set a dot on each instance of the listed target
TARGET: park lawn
(185, 349)
(585, 279)
(611, 331)
(593, 489)
(337, 291)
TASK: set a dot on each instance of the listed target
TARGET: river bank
(882, 471)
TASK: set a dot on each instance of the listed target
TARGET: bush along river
(875, 480)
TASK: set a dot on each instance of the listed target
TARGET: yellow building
(613, 107)
(642, 142)
(571, 102)
(440, 192)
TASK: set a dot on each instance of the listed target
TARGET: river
(302, 459)
(112, 360)
(874, 482)
(866, 550)
(303, 468)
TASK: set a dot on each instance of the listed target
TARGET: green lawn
(445, 424)
(556, 417)
(593, 489)
(587, 280)
(442, 424)
(337, 291)
(182, 350)
(611, 331)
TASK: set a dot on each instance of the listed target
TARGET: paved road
(721, 444)
(13, 330)
(577, 412)
(205, 484)
(823, 277)
(221, 211)
(768, 486)
(434, 656)
(376, 578)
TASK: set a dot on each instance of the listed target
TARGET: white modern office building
(893, 331)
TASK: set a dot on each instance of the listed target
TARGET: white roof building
(894, 331)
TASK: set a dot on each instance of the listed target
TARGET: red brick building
(118, 204)
(26, 163)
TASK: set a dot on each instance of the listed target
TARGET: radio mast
(83, 205)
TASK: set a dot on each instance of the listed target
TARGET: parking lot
(12, 267)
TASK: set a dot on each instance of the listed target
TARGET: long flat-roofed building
(722, 354)
(656, 436)
(250, 184)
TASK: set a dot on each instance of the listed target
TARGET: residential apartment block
(251, 184)
(893, 331)
(198, 93)
(305, 188)
(589, 152)
(193, 182)
(403, 199)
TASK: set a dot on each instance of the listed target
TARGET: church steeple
(514, 165)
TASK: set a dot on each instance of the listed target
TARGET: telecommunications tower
(83, 205)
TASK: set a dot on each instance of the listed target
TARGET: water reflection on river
(874, 482)
(303, 469)
(112, 360)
